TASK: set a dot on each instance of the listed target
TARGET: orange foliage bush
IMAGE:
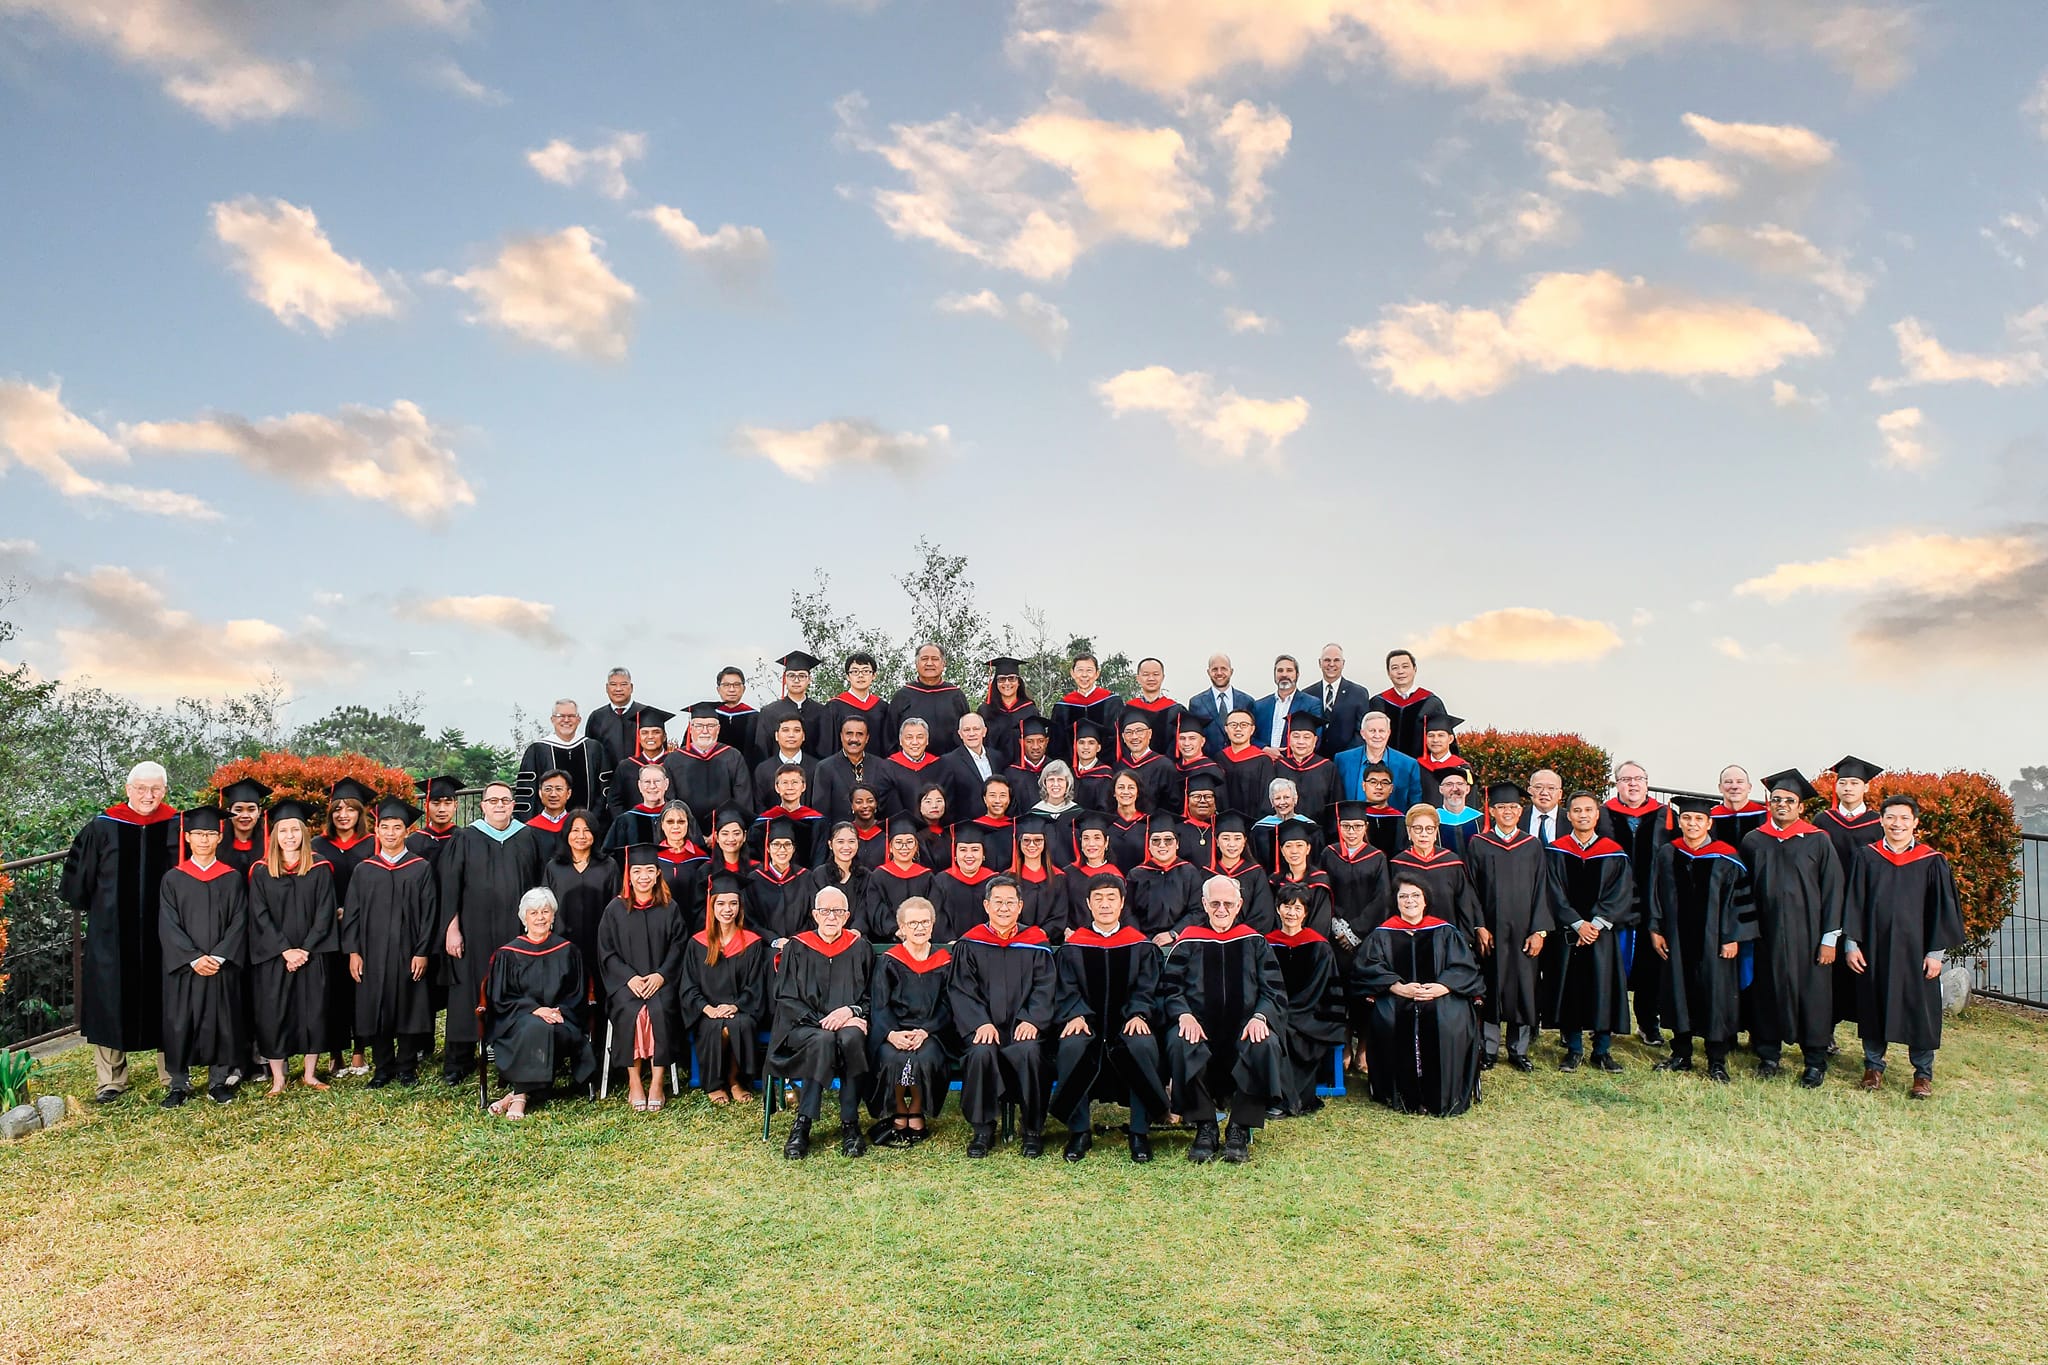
(1511, 755)
(1969, 818)
(6, 885)
(296, 778)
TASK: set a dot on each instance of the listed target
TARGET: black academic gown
(1046, 899)
(203, 912)
(1386, 829)
(1899, 908)
(615, 730)
(642, 941)
(1695, 904)
(739, 729)
(837, 776)
(1797, 886)
(1320, 897)
(1361, 887)
(113, 875)
(524, 976)
(1247, 781)
(1005, 731)
(1158, 782)
(1093, 788)
(587, 761)
(1003, 982)
(289, 1008)
(1101, 707)
(1255, 887)
(940, 708)
(741, 978)
(903, 779)
(888, 887)
(1315, 1013)
(873, 710)
(580, 899)
(908, 995)
(1107, 980)
(1318, 787)
(811, 713)
(1653, 827)
(1422, 1056)
(1078, 876)
(958, 902)
(1582, 984)
(1223, 979)
(858, 886)
(1510, 885)
(1409, 716)
(343, 858)
(480, 880)
(1164, 900)
(393, 915)
(1444, 878)
(1847, 834)
(778, 903)
(709, 782)
(815, 979)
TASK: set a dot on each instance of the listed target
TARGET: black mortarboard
(1444, 722)
(1134, 715)
(796, 661)
(1304, 720)
(1791, 780)
(649, 717)
(205, 819)
(439, 788)
(967, 832)
(244, 789)
(291, 810)
(781, 829)
(902, 824)
(1033, 824)
(1230, 822)
(348, 789)
(1295, 827)
(1005, 667)
(1853, 766)
(1091, 819)
(1504, 793)
(1351, 810)
(1204, 781)
(728, 815)
(1033, 725)
(643, 855)
(1088, 729)
(398, 808)
(725, 884)
(1694, 805)
(704, 710)
(1162, 823)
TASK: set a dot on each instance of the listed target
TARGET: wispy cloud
(1527, 635)
(1927, 361)
(603, 165)
(532, 622)
(292, 269)
(1218, 420)
(809, 453)
(42, 435)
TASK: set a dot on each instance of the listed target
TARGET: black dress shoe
(1570, 1062)
(880, 1131)
(913, 1136)
(221, 1093)
(1312, 1105)
(173, 1099)
(1766, 1070)
(408, 1078)
(379, 1081)
(1717, 1073)
(1673, 1064)
(1603, 1062)
(1237, 1144)
(1651, 1037)
(455, 1078)
(107, 1094)
(1032, 1145)
(852, 1142)
(1812, 1077)
(1078, 1145)
(1520, 1062)
(1488, 1060)
(984, 1138)
(1204, 1149)
(1141, 1148)
(799, 1145)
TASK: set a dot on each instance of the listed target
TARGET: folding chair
(486, 1054)
(604, 1074)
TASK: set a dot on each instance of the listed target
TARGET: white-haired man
(585, 760)
(1222, 993)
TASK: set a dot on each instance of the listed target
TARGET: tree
(2030, 799)
(397, 739)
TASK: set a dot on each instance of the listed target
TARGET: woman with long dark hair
(725, 995)
(640, 944)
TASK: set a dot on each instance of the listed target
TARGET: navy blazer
(1340, 722)
(1262, 713)
(1202, 706)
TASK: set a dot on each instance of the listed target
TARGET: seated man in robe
(1224, 1000)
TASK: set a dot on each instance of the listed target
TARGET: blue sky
(1668, 372)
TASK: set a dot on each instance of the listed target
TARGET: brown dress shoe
(1873, 1079)
(1923, 1088)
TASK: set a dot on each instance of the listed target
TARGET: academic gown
(1092, 788)
(1582, 985)
(773, 899)
(811, 713)
(616, 730)
(1005, 728)
(1409, 716)
(1455, 830)
(289, 1009)
(1078, 876)
(1422, 1056)
(114, 875)
(1023, 776)
(1108, 980)
(1640, 831)
(547, 830)
(585, 759)
(393, 915)
(480, 880)
(1695, 905)
(1046, 899)
(1433, 770)
(858, 886)
(1100, 707)
(1320, 897)
(903, 779)
(709, 782)
(815, 979)
(836, 778)
(809, 834)
(741, 977)
(1361, 887)
(1163, 713)
(888, 887)
(1797, 884)
(203, 912)
(1163, 899)
(1386, 829)
(241, 857)
(1004, 982)
(1899, 908)
(624, 795)
(1315, 1013)
(1264, 843)
(1510, 886)
(1255, 889)
(935, 847)
(1319, 790)
(1247, 781)
(428, 841)
(1223, 979)
(940, 708)
(642, 941)
(957, 899)
(1444, 877)
(1060, 847)
(524, 976)
(872, 709)
(343, 857)
(998, 841)
(907, 994)
(1158, 782)
(580, 899)
(1129, 839)
(1847, 834)
(739, 730)
(687, 871)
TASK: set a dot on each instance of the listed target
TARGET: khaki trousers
(111, 1065)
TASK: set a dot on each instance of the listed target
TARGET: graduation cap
(244, 789)
(1162, 823)
(1033, 824)
(901, 825)
(439, 788)
(301, 811)
(779, 828)
(1033, 725)
(652, 718)
(704, 710)
(397, 808)
(1005, 667)
(1694, 805)
(1304, 720)
(1091, 820)
(643, 855)
(796, 661)
(1135, 716)
(967, 832)
(1295, 827)
(1088, 729)
(348, 789)
(1204, 781)
(1351, 810)
(724, 884)
(728, 815)
(1860, 768)
(1506, 793)
(1447, 723)
(205, 820)
(1791, 780)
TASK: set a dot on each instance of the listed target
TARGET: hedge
(1511, 755)
(295, 777)
(6, 885)
(1969, 818)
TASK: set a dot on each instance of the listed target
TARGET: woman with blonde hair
(1438, 871)
(293, 926)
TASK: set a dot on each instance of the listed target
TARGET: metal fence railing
(2014, 964)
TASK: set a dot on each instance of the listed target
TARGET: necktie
(1329, 695)
(1543, 827)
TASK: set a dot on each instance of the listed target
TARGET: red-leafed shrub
(295, 778)
(1969, 818)
(6, 885)
(1511, 755)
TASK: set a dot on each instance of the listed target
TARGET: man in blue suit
(1344, 702)
(1211, 707)
(1270, 712)
(1377, 731)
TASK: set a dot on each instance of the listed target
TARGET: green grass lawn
(1569, 1218)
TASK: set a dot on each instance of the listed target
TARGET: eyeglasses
(496, 801)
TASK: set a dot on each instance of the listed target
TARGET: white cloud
(533, 622)
(49, 440)
(1785, 146)
(1774, 250)
(1927, 361)
(1925, 563)
(1904, 442)
(2036, 106)
(603, 165)
(1507, 227)
(1689, 180)
(736, 257)
(450, 76)
(227, 61)
(981, 301)
(292, 269)
(1242, 320)
(1527, 635)
(1731, 648)
(392, 455)
(1595, 321)
(1039, 319)
(1255, 140)
(1785, 395)
(555, 291)
(1583, 153)
(1225, 422)
(1034, 196)
(809, 452)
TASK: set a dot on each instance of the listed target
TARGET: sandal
(518, 1109)
(639, 1105)
(654, 1103)
(499, 1106)
(718, 1097)
(313, 1084)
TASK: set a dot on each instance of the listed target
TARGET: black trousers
(1717, 1049)
(992, 1069)
(390, 1052)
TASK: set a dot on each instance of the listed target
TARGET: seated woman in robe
(640, 942)
(911, 1030)
(1421, 981)
(536, 996)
